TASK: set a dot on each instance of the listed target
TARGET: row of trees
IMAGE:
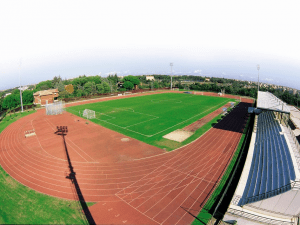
(91, 85)
(235, 89)
(13, 100)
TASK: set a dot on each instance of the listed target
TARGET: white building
(23, 88)
(151, 78)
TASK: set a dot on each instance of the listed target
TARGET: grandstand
(269, 189)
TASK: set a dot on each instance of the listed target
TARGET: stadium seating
(272, 168)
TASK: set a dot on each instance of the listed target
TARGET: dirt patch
(178, 135)
(125, 139)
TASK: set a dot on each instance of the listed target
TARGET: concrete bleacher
(272, 167)
(269, 187)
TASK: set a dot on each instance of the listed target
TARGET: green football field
(148, 118)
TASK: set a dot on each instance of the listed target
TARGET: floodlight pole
(258, 67)
(20, 87)
(171, 64)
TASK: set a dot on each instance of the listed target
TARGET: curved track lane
(144, 186)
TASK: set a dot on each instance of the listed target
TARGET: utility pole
(171, 64)
(20, 87)
(258, 67)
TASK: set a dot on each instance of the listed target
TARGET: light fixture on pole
(258, 67)
(20, 87)
(171, 64)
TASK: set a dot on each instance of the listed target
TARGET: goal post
(55, 108)
(89, 114)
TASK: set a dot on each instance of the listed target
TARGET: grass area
(148, 118)
(12, 118)
(206, 213)
(22, 205)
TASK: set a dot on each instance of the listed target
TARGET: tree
(113, 78)
(1, 101)
(128, 85)
(69, 88)
(155, 84)
(80, 81)
(100, 88)
(60, 86)
(79, 93)
(44, 85)
(63, 94)
(16, 92)
(11, 101)
(27, 97)
(134, 80)
(55, 81)
(90, 88)
(106, 87)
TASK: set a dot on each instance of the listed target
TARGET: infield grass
(148, 118)
(22, 205)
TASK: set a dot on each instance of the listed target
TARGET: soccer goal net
(89, 114)
(55, 108)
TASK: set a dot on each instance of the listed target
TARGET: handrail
(297, 150)
(268, 194)
(258, 217)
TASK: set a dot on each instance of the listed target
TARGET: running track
(138, 188)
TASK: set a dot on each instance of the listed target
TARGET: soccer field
(151, 115)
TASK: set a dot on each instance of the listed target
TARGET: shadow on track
(236, 119)
(63, 130)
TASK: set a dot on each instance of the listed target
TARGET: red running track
(133, 183)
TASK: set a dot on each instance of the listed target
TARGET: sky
(43, 39)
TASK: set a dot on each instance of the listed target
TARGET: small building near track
(46, 96)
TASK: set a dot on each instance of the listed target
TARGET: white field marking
(16, 153)
(194, 180)
(165, 100)
(38, 140)
(190, 118)
(51, 126)
(123, 127)
(151, 135)
(43, 148)
(137, 210)
(188, 174)
(111, 117)
(132, 110)
(128, 110)
(142, 122)
(59, 185)
(229, 160)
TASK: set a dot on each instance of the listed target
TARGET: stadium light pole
(171, 64)
(258, 67)
(20, 87)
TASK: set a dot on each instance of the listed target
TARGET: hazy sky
(212, 38)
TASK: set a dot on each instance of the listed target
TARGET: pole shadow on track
(62, 131)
